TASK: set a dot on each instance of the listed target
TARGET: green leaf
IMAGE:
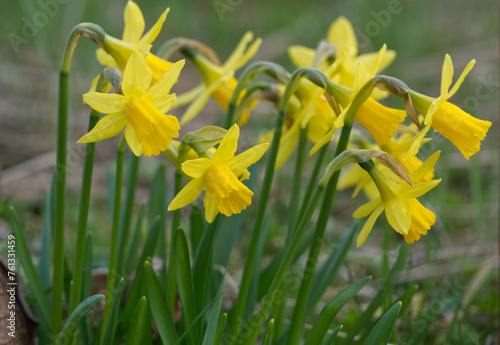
(331, 337)
(111, 326)
(220, 329)
(159, 307)
(269, 334)
(137, 290)
(406, 298)
(212, 327)
(22, 250)
(197, 225)
(68, 331)
(331, 309)
(131, 259)
(324, 277)
(185, 286)
(138, 321)
(384, 327)
(364, 319)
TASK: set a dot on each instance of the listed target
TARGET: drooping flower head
(399, 201)
(218, 81)
(463, 130)
(221, 175)
(117, 51)
(140, 109)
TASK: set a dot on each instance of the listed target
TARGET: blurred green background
(33, 35)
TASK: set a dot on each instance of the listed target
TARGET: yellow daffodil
(218, 81)
(117, 52)
(381, 121)
(398, 200)
(463, 130)
(140, 109)
(343, 69)
(225, 193)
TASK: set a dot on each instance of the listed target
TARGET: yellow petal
(158, 66)
(366, 209)
(134, 23)
(365, 231)
(325, 140)
(249, 53)
(163, 86)
(211, 209)
(287, 144)
(461, 78)
(104, 58)
(132, 141)
(197, 167)
(301, 56)
(228, 146)
(151, 35)
(107, 127)
(418, 189)
(446, 74)
(195, 107)
(421, 221)
(426, 167)
(137, 75)
(105, 103)
(247, 158)
(417, 141)
(188, 194)
(398, 213)
(463, 130)
(159, 139)
(342, 34)
(369, 60)
(164, 103)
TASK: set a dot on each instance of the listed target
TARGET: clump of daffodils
(351, 92)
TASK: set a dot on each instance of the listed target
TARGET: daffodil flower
(225, 193)
(463, 130)
(117, 52)
(399, 202)
(140, 109)
(343, 69)
(218, 81)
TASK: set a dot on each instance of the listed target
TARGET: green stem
(305, 286)
(297, 184)
(312, 180)
(239, 306)
(112, 273)
(95, 33)
(83, 213)
(126, 216)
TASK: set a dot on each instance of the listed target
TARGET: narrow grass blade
(68, 331)
(137, 324)
(111, 327)
(331, 309)
(22, 250)
(384, 327)
(407, 297)
(211, 331)
(159, 307)
(185, 286)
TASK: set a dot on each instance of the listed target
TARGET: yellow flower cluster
(139, 105)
